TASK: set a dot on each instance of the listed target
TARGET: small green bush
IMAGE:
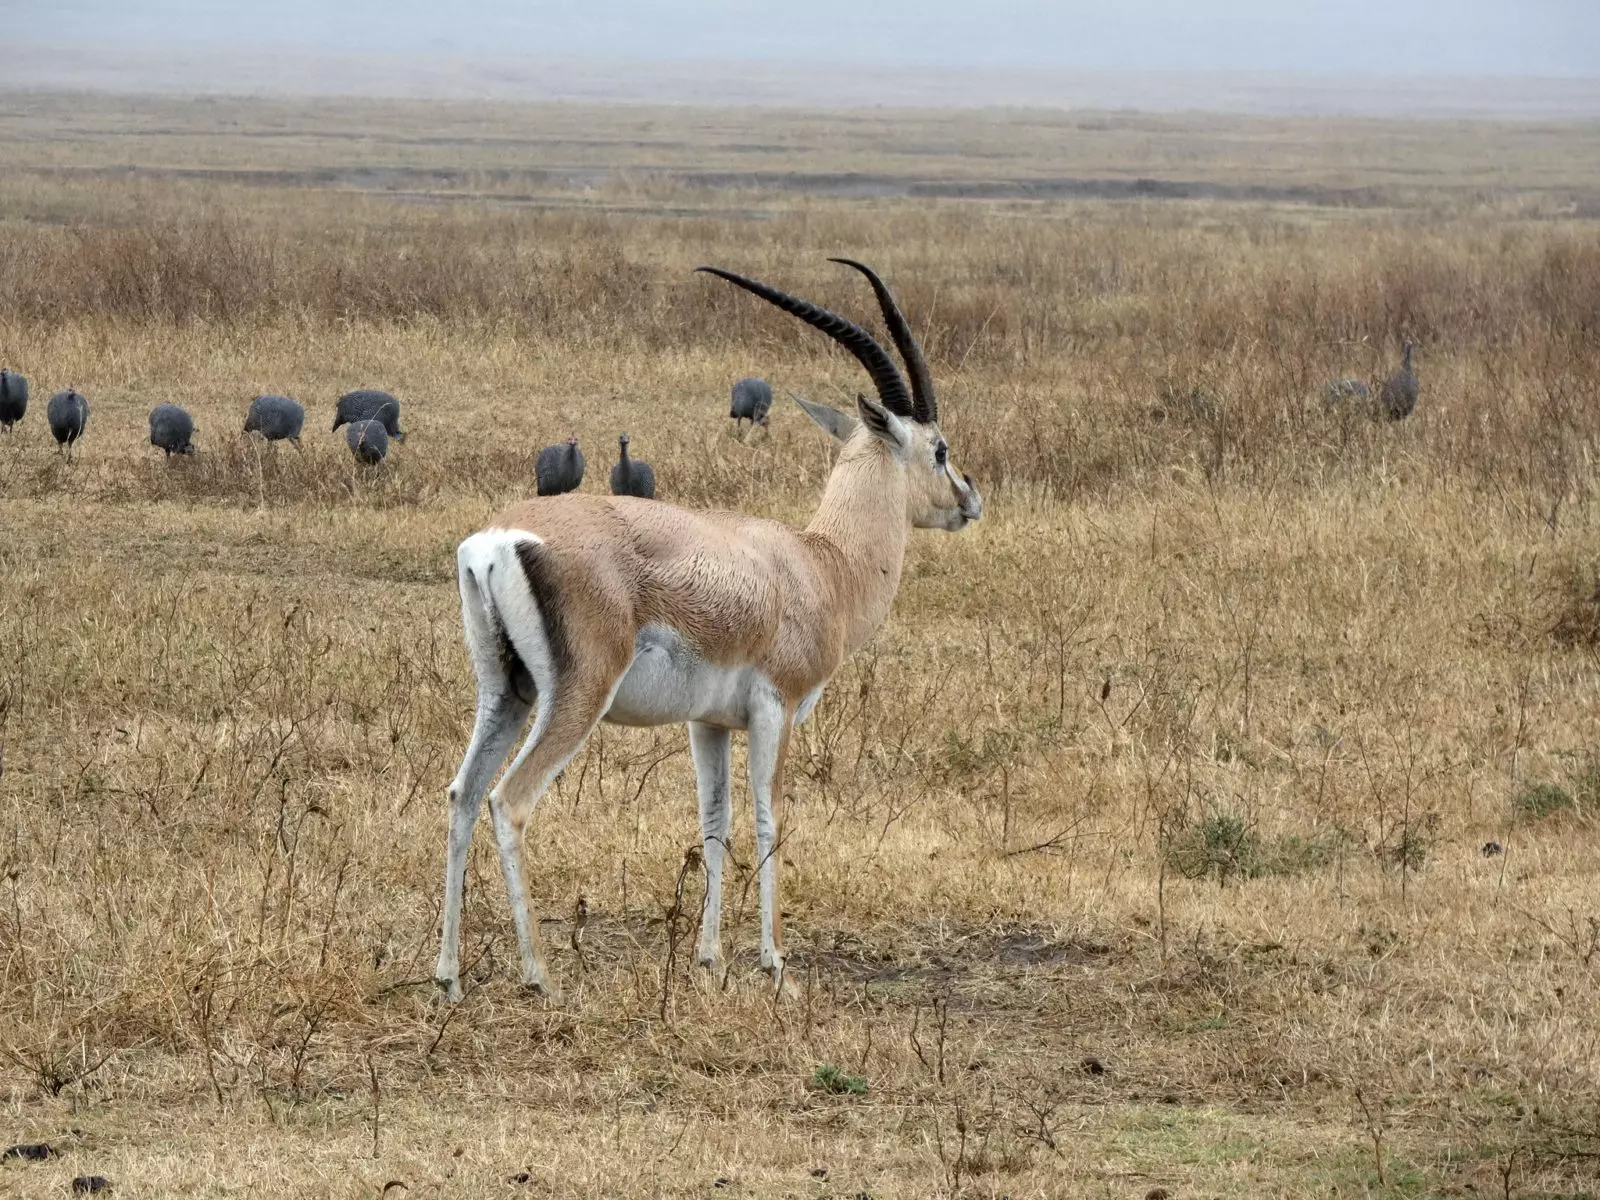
(829, 1078)
(1222, 846)
(1542, 800)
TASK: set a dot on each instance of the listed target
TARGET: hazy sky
(1512, 37)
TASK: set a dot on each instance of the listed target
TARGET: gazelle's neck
(862, 518)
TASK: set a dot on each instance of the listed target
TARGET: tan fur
(742, 590)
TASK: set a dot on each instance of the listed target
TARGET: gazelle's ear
(841, 425)
(883, 424)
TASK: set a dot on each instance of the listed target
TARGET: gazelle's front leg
(712, 750)
(770, 719)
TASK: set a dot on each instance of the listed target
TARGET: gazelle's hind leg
(504, 699)
(512, 605)
(500, 718)
(576, 710)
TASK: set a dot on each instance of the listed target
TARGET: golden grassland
(1142, 852)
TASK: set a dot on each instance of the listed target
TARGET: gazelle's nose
(971, 502)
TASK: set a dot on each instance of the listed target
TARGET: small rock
(1093, 1066)
(29, 1152)
(90, 1185)
(722, 1181)
(819, 1172)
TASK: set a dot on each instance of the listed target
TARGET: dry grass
(1143, 848)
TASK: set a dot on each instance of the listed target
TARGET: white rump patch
(495, 597)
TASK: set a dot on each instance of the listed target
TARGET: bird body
(276, 418)
(368, 440)
(13, 398)
(630, 477)
(559, 468)
(1398, 396)
(365, 404)
(1344, 391)
(751, 401)
(172, 429)
(68, 414)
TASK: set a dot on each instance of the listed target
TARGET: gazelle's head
(903, 422)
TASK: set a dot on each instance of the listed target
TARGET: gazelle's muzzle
(970, 503)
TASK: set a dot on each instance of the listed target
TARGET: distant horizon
(1411, 38)
(787, 83)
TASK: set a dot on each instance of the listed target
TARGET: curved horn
(925, 405)
(885, 375)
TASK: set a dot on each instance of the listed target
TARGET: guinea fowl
(13, 399)
(1398, 396)
(68, 415)
(751, 401)
(630, 477)
(559, 468)
(171, 429)
(1340, 392)
(276, 418)
(368, 440)
(367, 404)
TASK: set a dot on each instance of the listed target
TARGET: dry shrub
(1575, 607)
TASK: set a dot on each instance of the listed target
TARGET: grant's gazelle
(582, 608)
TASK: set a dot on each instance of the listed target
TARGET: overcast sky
(1431, 37)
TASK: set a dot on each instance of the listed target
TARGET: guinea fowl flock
(371, 419)
(1397, 395)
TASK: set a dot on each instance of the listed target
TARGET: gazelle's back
(715, 577)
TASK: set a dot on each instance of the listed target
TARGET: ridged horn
(886, 377)
(924, 404)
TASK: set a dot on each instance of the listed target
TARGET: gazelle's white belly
(668, 683)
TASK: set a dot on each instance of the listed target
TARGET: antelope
(582, 608)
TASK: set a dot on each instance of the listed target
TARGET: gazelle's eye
(941, 454)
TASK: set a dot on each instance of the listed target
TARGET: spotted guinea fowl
(630, 477)
(751, 401)
(1398, 396)
(276, 418)
(171, 429)
(368, 440)
(1341, 392)
(559, 468)
(13, 399)
(68, 415)
(367, 404)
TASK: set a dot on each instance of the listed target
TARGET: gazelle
(583, 608)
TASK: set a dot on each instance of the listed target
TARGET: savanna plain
(1216, 817)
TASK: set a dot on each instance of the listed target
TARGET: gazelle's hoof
(778, 970)
(449, 990)
(543, 985)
